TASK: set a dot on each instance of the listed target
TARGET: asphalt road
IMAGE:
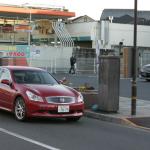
(143, 87)
(87, 134)
(143, 121)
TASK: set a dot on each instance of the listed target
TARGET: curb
(109, 118)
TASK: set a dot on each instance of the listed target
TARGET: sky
(92, 8)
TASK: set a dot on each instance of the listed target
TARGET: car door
(6, 91)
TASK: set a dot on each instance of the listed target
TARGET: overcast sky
(92, 8)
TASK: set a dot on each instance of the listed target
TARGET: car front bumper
(51, 110)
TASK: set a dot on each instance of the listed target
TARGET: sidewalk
(123, 116)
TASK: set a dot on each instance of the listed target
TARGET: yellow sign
(7, 48)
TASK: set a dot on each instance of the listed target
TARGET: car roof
(22, 68)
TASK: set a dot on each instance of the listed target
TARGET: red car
(32, 92)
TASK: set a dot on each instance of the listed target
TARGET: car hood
(51, 90)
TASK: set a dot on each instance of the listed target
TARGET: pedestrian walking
(72, 64)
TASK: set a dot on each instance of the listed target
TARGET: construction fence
(83, 65)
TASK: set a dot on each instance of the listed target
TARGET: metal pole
(134, 64)
(29, 34)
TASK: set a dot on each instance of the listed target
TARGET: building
(83, 30)
(125, 16)
(114, 31)
(46, 37)
(85, 33)
(36, 35)
(117, 33)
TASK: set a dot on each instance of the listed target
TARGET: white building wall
(116, 33)
(82, 29)
(124, 33)
(52, 58)
(85, 29)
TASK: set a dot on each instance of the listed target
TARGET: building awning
(24, 12)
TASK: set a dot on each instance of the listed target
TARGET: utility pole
(29, 35)
(26, 5)
(134, 64)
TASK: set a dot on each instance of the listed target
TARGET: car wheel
(73, 119)
(20, 109)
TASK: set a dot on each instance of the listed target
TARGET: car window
(0, 71)
(146, 67)
(5, 74)
(33, 77)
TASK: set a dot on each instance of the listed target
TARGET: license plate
(63, 108)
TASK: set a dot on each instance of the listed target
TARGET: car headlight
(80, 98)
(34, 97)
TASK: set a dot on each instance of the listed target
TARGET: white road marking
(28, 139)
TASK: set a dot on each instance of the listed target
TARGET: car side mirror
(63, 81)
(5, 81)
(60, 81)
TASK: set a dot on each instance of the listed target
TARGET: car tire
(75, 119)
(20, 109)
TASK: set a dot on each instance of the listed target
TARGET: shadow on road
(4, 115)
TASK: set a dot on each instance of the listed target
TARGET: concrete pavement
(123, 116)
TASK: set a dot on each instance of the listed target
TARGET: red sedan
(32, 92)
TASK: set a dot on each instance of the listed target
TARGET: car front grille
(55, 112)
(148, 74)
(60, 100)
(145, 74)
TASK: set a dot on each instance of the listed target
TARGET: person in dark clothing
(72, 64)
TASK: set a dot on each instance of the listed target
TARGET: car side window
(1, 72)
(5, 74)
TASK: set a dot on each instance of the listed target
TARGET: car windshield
(147, 67)
(33, 77)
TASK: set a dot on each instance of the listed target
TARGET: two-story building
(114, 31)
